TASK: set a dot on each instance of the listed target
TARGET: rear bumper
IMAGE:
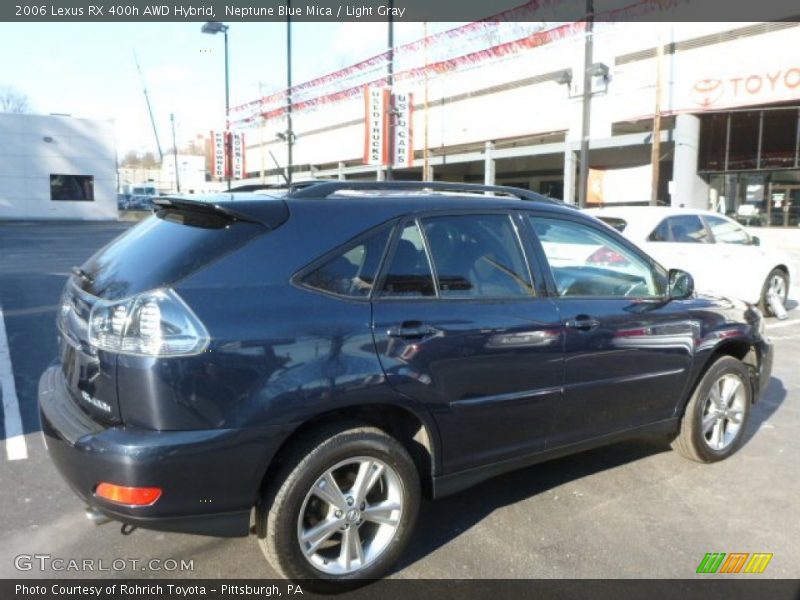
(210, 478)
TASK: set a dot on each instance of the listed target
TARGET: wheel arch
(740, 349)
(416, 432)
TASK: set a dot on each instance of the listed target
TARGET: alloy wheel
(723, 412)
(350, 515)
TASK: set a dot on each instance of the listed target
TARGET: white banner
(218, 154)
(237, 155)
(376, 104)
(403, 143)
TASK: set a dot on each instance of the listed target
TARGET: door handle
(412, 330)
(582, 323)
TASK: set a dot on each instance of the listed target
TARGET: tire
(777, 280)
(706, 445)
(290, 509)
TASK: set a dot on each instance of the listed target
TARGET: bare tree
(12, 100)
(149, 161)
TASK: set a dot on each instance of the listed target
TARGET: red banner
(376, 111)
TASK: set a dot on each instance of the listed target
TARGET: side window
(351, 273)
(660, 233)
(687, 229)
(588, 262)
(409, 273)
(477, 256)
(727, 232)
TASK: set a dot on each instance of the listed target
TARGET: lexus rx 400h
(316, 359)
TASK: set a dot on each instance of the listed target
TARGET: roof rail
(323, 189)
(296, 185)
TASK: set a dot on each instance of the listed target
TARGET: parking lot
(631, 510)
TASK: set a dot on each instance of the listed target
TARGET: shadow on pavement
(443, 520)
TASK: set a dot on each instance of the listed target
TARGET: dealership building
(503, 103)
(57, 167)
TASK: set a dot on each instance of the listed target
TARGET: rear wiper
(80, 273)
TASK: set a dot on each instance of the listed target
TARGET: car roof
(396, 199)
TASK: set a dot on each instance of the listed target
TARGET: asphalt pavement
(634, 509)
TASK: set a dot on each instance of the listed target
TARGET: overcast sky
(88, 69)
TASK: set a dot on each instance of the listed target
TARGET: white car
(723, 258)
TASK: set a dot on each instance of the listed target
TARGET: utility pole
(426, 166)
(149, 108)
(390, 81)
(175, 153)
(289, 132)
(583, 176)
(213, 28)
(228, 140)
(262, 142)
(655, 156)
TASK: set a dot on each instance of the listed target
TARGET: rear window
(162, 250)
(615, 222)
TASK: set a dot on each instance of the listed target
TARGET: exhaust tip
(95, 516)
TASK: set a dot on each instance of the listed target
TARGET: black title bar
(399, 10)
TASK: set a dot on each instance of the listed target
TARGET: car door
(626, 348)
(683, 242)
(459, 325)
(741, 267)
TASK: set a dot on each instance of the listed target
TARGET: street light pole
(213, 28)
(390, 81)
(229, 165)
(289, 132)
(583, 176)
(175, 153)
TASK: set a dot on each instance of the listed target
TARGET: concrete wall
(32, 147)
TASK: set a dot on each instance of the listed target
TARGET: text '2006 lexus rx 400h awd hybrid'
(318, 358)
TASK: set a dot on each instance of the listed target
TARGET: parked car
(326, 355)
(721, 255)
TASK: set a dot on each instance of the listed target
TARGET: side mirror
(681, 284)
(754, 239)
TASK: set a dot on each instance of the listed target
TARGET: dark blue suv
(326, 354)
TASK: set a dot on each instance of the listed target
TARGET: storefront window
(779, 138)
(751, 161)
(713, 134)
(743, 145)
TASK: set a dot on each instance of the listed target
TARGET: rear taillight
(132, 496)
(606, 256)
(156, 323)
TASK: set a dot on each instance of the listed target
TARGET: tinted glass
(477, 256)
(587, 262)
(713, 135)
(162, 250)
(353, 271)
(778, 138)
(409, 272)
(72, 188)
(686, 229)
(660, 233)
(743, 147)
(727, 232)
